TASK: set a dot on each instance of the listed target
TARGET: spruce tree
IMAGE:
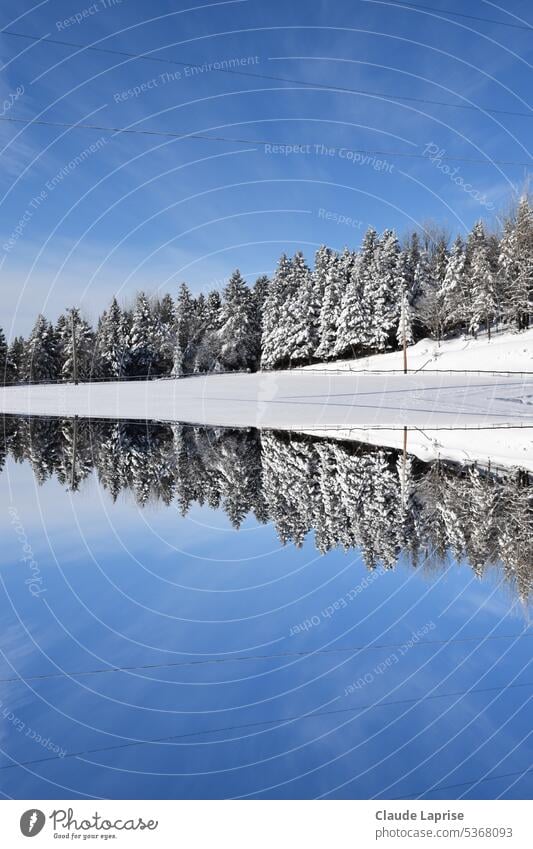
(112, 342)
(5, 376)
(184, 355)
(76, 345)
(15, 360)
(404, 332)
(301, 313)
(41, 361)
(352, 326)
(484, 304)
(383, 295)
(165, 333)
(272, 342)
(453, 287)
(143, 341)
(522, 289)
(237, 325)
(328, 268)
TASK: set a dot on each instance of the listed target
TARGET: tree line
(351, 304)
(351, 495)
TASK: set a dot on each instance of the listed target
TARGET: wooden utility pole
(404, 335)
(74, 352)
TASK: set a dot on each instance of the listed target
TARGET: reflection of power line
(233, 140)
(433, 9)
(271, 77)
(422, 793)
(278, 656)
(281, 721)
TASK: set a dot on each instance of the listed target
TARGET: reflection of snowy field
(307, 401)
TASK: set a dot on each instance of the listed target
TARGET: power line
(233, 140)
(278, 656)
(283, 720)
(455, 14)
(271, 77)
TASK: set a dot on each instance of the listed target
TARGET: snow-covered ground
(447, 415)
(504, 352)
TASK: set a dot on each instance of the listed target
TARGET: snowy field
(448, 415)
(504, 352)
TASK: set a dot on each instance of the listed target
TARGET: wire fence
(307, 370)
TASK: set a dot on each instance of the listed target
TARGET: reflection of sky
(126, 587)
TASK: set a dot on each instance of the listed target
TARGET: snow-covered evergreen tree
(208, 342)
(404, 332)
(521, 295)
(327, 271)
(143, 338)
(112, 342)
(430, 304)
(454, 300)
(185, 313)
(238, 331)
(272, 342)
(352, 275)
(41, 358)
(383, 294)
(165, 333)
(15, 360)
(5, 376)
(73, 330)
(482, 281)
(301, 312)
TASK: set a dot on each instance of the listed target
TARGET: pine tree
(185, 353)
(165, 333)
(237, 330)
(430, 303)
(484, 304)
(354, 312)
(522, 289)
(15, 360)
(413, 250)
(382, 293)
(301, 313)
(404, 332)
(454, 301)
(41, 360)
(327, 268)
(272, 343)
(214, 307)
(112, 342)
(72, 330)
(143, 340)
(207, 357)
(5, 376)
(508, 272)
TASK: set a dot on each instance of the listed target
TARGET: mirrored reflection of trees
(350, 495)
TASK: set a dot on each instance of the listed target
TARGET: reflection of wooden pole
(404, 463)
(74, 450)
(74, 353)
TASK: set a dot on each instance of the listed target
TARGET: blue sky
(124, 586)
(148, 212)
